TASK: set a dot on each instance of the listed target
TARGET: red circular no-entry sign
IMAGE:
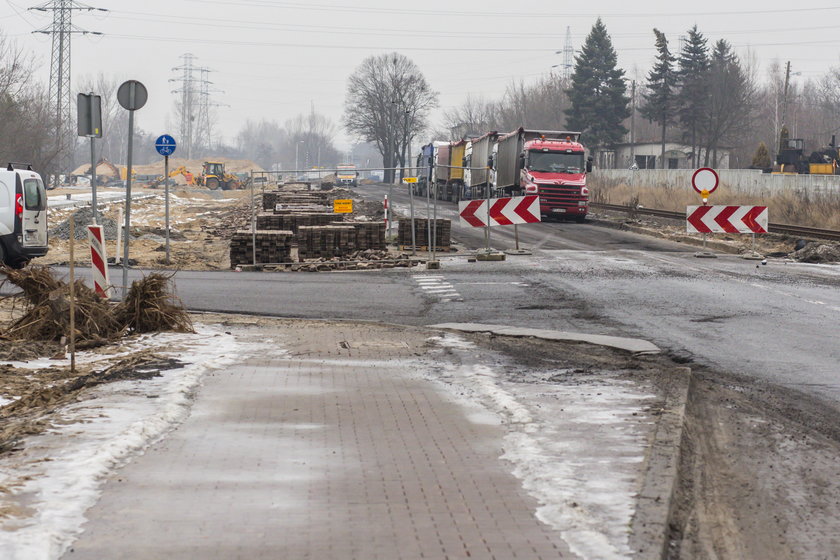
(705, 179)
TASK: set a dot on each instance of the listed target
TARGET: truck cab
(23, 216)
(555, 169)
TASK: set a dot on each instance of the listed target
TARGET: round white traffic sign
(132, 95)
(705, 179)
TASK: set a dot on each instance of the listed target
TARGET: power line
(421, 49)
(451, 13)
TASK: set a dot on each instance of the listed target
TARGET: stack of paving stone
(326, 242)
(271, 199)
(272, 247)
(369, 235)
(443, 233)
(292, 222)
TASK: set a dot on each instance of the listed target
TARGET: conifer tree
(660, 99)
(599, 104)
(693, 96)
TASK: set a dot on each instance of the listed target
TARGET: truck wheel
(212, 183)
(580, 219)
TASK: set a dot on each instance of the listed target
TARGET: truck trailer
(477, 165)
(549, 163)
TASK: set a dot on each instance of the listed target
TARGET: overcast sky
(273, 59)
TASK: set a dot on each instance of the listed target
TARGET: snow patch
(576, 447)
(98, 435)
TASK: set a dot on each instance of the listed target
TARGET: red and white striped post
(101, 277)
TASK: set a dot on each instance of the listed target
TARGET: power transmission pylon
(60, 98)
(568, 55)
(189, 95)
(205, 127)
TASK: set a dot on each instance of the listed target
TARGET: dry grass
(787, 206)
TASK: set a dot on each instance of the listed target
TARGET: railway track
(787, 229)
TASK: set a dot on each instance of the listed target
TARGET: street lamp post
(297, 146)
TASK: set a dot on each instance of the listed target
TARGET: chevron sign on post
(500, 211)
(726, 219)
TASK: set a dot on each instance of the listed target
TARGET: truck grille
(551, 195)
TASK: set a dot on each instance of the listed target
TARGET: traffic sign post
(705, 181)
(165, 146)
(89, 124)
(132, 95)
(411, 181)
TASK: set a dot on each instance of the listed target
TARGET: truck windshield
(555, 162)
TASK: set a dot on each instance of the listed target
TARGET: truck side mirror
(491, 161)
(589, 165)
(522, 160)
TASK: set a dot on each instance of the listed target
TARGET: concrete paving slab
(325, 448)
(634, 345)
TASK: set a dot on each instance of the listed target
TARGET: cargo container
(477, 165)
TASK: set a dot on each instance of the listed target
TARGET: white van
(23, 216)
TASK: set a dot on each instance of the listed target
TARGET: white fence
(747, 181)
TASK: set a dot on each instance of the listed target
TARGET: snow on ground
(59, 475)
(577, 448)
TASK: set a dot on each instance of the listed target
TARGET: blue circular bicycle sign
(165, 145)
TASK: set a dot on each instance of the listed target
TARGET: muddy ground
(758, 475)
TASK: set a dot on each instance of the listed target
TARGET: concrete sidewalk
(328, 450)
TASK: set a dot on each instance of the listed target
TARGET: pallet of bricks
(369, 235)
(271, 199)
(272, 247)
(292, 221)
(441, 229)
(325, 242)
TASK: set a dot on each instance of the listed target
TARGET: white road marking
(436, 285)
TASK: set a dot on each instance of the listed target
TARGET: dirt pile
(816, 252)
(81, 219)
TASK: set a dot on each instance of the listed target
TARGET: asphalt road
(777, 322)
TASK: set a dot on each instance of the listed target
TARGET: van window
(34, 194)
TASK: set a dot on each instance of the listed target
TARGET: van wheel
(17, 265)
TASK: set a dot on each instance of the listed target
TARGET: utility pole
(60, 99)
(784, 103)
(633, 124)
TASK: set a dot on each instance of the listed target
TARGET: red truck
(550, 163)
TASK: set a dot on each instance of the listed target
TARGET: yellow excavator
(213, 176)
(174, 173)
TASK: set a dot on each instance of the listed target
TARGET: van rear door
(34, 220)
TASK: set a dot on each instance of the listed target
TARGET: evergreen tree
(692, 74)
(599, 104)
(660, 99)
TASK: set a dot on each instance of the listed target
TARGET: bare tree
(27, 125)
(730, 101)
(388, 101)
(474, 116)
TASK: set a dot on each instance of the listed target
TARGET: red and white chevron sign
(726, 219)
(101, 280)
(500, 211)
